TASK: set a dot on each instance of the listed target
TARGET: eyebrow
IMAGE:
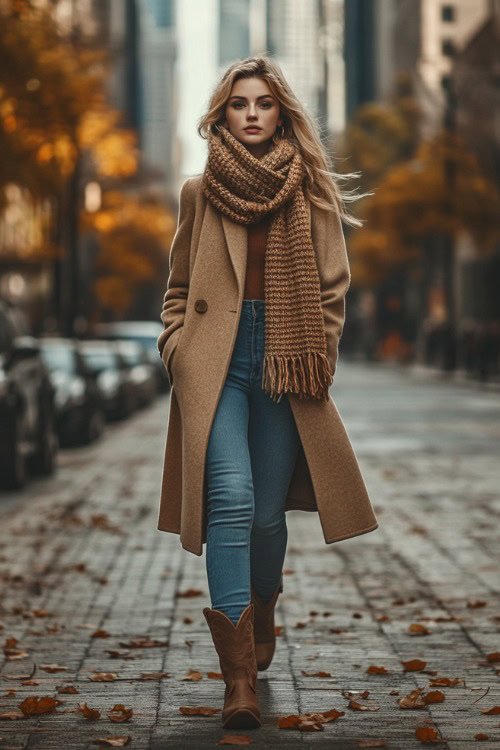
(263, 96)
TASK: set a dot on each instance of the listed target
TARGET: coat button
(201, 305)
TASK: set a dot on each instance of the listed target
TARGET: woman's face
(252, 103)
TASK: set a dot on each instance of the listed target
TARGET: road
(85, 573)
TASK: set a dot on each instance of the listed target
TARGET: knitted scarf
(246, 189)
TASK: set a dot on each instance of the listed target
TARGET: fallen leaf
(100, 634)
(493, 657)
(356, 706)
(235, 739)
(444, 682)
(188, 593)
(412, 700)
(116, 741)
(298, 722)
(193, 675)
(198, 710)
(492, 711)
(88, 713)
(103, 677)
(377, 670)
(13, 715)
(143, 643)
(119, 713)
(153, 675)
(215, 675)
(481, 736)
(414, 665)
(68, 689)
(427, 734)
(115, 654)
(53, 668)
(35, 705)
(417, 628)
(316, 674)
(435, 696)
(476, 604)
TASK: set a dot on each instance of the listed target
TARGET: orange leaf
(414, 665)
(418, 629)
(193, 675)
(444, 682)
(198, 710)
(492, 711)
(412, 700)
(189, 593)
(88, 713)
(235, 739)
(435, 696)
(427, 734)
(119, 713)
(53, 668)
(377, 670)
(103, 677)
(34, 705)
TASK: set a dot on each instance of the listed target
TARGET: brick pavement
(80, 553)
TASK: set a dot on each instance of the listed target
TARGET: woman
(253, 313)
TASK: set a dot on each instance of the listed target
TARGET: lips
(253, 129)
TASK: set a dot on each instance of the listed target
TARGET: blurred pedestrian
(253, 314)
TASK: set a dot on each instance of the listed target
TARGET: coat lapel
(237, 245)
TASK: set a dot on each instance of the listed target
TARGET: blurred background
(98, 108)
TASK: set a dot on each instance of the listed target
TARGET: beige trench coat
(201, 312)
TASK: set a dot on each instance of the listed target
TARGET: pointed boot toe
(235, 646)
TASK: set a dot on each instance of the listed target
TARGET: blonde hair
(322, 184)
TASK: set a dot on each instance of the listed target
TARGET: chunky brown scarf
(245, 189)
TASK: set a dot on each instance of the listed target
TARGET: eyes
(265, 105)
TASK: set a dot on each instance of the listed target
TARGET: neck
(259, 149)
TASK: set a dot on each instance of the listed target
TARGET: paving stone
(83, 548)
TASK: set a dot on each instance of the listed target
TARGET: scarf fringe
(307, 374)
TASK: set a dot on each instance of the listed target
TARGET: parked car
(114, 377)
(145, 332)
(28, 439)
(142, 372)
(79, 409)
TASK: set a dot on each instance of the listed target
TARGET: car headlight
(108, 382)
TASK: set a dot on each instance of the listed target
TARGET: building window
(448, 13)
(448, 47)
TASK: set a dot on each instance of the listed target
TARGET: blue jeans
(251, 455)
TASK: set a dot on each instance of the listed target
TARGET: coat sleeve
(175, 297)
(334, 273)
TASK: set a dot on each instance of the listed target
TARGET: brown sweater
(254, 279)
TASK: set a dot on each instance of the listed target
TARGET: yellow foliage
(135, 235)
(440, 191)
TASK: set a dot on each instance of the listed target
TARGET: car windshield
(99, 360)
(58, 358)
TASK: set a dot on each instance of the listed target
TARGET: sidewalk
(90, 587)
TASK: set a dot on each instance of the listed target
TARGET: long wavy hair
(322, 185)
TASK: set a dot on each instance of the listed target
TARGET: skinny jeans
(251, 454)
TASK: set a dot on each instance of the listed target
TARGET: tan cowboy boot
(236, 648)
(265, 637)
